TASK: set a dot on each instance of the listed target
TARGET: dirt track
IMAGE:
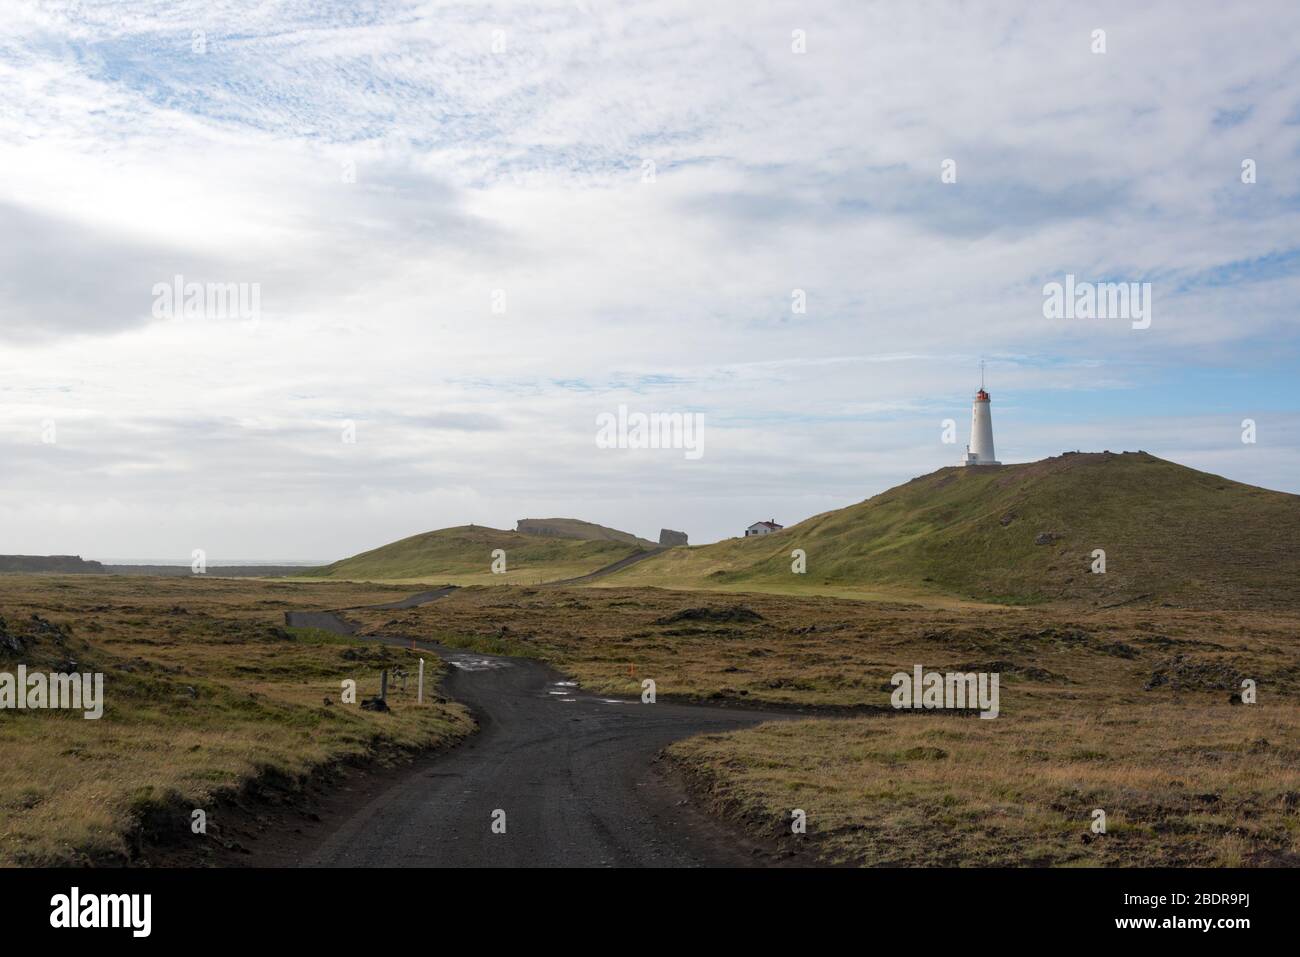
(574, 774)
(617, 566)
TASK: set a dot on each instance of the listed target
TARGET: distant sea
(186, 562)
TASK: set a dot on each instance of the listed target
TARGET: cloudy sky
(475, 227)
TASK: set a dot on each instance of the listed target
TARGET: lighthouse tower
(980, 450)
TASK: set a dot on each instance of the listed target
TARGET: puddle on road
(559, 689)
(477, 663)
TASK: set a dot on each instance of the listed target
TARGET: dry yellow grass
(522, 576)
(1179, 784)
(1125, 709)
(837, 652)
(204, 693)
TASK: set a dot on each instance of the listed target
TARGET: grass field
(464, 556)
(1124, 710)
(1183, 783)
(205, 694)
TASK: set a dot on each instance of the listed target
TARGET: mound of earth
(733, 613)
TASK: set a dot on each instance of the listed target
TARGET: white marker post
(419, 692)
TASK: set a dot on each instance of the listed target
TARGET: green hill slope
(576, 528)
(463, 555)
(1026, 533)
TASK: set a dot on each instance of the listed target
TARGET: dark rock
(1182, 673)
(9, 641)
(1119, 649)
(375, 704)
(670, 538)
(1046, 538)
(730, 613)
(1032, 672)
(43, 626)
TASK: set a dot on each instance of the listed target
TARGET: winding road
(570, 774)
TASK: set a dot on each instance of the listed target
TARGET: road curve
(609, 569)
(572, 772)
(419, 598)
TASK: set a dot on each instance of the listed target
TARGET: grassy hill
(1025, 534)
(463, 555)
(578, 529)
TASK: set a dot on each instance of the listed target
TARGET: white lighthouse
(980, 450)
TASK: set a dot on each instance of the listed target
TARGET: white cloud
(130, 158)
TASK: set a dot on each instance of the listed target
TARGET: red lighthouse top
(981, 396)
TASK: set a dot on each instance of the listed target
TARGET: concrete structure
(980, 449)
(763, 528)
(669, 538)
